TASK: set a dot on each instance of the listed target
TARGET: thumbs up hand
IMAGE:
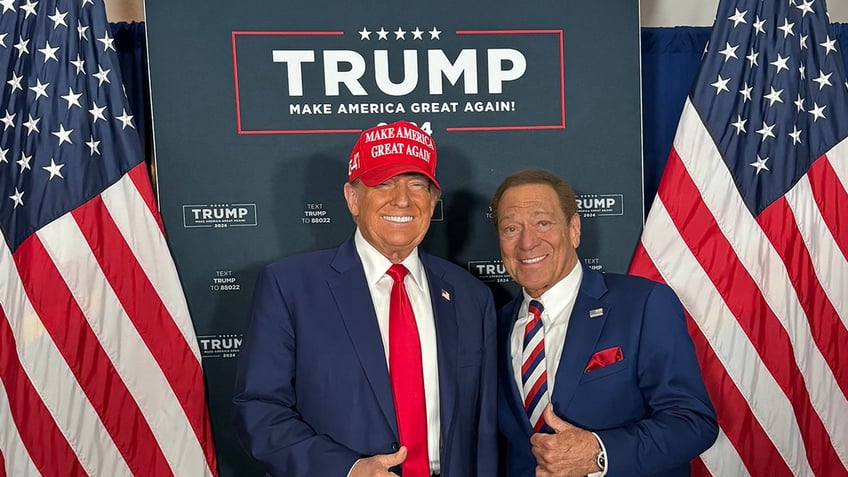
(569, 451)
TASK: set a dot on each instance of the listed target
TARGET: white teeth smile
(398, 219)
(530, 261)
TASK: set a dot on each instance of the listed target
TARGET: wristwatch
(601, 460)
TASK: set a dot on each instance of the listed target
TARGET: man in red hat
(372, 358)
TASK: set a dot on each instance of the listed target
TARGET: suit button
(395, 446)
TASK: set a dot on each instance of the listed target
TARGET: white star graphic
(108, 42)
(15, 82)
(24, 162)
(29, 8)
(720, 84)
(96, 113)
(18, 198)
(63, 135)
(803, 71)
(774, 96)
(780, 63)
(364, 34)
(79, 63)
(39, 89)
(94, 146)
(758, 25)
(799, 103)
(8, 5)
(738, 17)
(3, 155)
(434, 34)
(58, 18)
(72, 98)
(746, 93)
(84, 2)
(417, 34)
(21, 46)
(32, 124)
(795, 135)
(786, 28)
(805, 7)
(382, 34)
(753, 58)
(802, 41)
(817, 112)
(766, 131)
(3, 39)
(739, 124)
(400, 34)
(49, 52)
(54, 170)
(125, 119)
(823, 79)
(760, 164)
(9, 120)
(102, 75)
(829, 45)
(729, 52)
(81, 29)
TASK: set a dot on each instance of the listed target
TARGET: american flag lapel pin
(596, 312)
(446, 295)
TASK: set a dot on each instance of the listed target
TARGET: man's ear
(352, 199)
(574, 230)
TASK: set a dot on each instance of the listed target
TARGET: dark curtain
(670, 58)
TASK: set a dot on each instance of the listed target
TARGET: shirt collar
(557, 298)
(376, 264)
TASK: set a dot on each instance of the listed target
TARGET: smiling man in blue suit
(597, 374)
(372, 357)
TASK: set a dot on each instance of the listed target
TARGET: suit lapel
(353, 299)
(583, 332)
(447, 339)
(514, 397)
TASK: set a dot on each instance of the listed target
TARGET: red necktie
(407, 377)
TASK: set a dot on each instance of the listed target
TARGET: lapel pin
(446, 295)
(596, 312)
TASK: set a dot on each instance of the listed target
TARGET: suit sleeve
(266, 417)
(487, 434)
(680, 422)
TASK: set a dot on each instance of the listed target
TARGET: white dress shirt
(418, 290)
(558, 302)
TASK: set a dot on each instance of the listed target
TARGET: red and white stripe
(767, 302)
(99, 365)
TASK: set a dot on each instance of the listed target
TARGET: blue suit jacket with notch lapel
(650, 409)
(313, 391)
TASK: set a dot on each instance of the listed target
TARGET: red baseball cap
(385, 151)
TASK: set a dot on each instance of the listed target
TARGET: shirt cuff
(603, 471)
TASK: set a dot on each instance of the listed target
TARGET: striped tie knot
(534, 377)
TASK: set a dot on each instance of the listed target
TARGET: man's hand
(571, 451)
(378, 465)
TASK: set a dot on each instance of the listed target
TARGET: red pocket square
(604, 357)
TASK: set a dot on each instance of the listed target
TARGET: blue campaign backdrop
(670, 59)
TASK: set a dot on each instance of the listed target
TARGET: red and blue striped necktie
(534, 375)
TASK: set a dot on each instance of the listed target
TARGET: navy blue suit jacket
(650, 409)
(313, 392)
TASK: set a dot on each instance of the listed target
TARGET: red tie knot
(397, 272)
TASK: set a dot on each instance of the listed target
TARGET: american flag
(750, 228)
(100, 371)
